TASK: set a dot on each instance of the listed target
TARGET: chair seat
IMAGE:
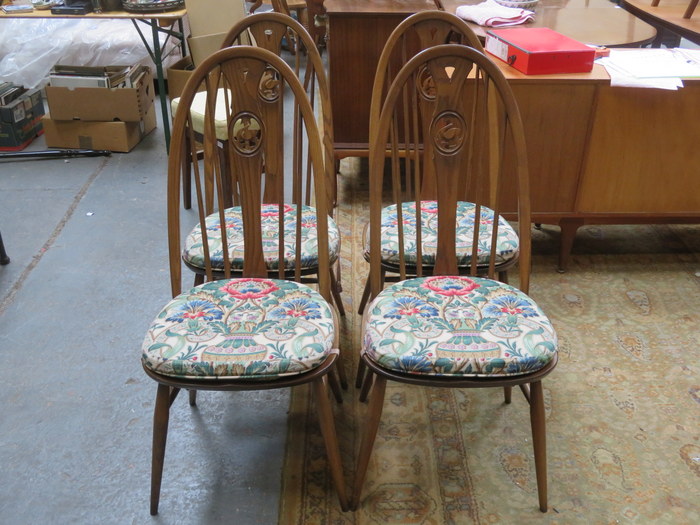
(197, 113)
(193, 253)
(240, 328)
(458, 326)
(507, 242)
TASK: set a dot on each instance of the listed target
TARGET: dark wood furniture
(357, 32)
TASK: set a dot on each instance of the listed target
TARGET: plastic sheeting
(29, 48)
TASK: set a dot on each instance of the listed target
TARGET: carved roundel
(247, 133)
(448, 130)
(426, 84)
(269, 87)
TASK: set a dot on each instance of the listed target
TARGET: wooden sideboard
(598, 154)
(609, 155)
(357, 31)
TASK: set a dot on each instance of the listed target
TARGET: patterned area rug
(623, 405)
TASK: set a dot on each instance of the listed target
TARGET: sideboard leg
(568, 234)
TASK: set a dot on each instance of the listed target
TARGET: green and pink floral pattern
(241, 328)
(458, 326)
(506, 247)
(193, 253)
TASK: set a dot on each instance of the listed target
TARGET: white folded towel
(492, 14)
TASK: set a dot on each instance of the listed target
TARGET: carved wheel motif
(269, 87)
(247, 133)
(448, 130)
(425, 84)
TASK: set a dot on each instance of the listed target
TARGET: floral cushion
(458, 326)
(506, 247)
(194, 252)
(240, 328)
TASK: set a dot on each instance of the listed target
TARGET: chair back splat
(275, 32)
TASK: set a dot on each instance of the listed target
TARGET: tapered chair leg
(342, 376)
(335, 290)
(334, 384)
(366, 386)
(193, 397)
(361, 367)
(366, 293)
(507, 394)
(161, 416)
(365, 298)
(539, 441)
(4, 259)
(374, 415)
(330, 438)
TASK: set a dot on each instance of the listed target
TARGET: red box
(539, 50)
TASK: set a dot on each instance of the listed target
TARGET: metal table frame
(158, 23)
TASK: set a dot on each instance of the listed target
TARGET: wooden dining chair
(250, 325)
(273, 31)
(417, 32)
(448, 329)
(269, 31)
(689, 10)
(311, 13)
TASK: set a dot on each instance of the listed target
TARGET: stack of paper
(651, 68)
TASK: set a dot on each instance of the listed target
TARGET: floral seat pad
(457, 326)
(193, 253)
(506, 246)
(240, 328)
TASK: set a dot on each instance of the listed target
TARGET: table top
(668, 13)
(377, 7)
(46, 13)
(597, 22)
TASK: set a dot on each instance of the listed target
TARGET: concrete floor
(89, 271)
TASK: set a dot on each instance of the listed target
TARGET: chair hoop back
(273, 31)
(451, 113)
(253, 89)
(417, 32)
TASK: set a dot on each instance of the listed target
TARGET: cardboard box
(21, 121)
(178, 75)
(539, 50)
(92, 76)
(102, 104)
(203, 46)
(207, 17)
(85, 134)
